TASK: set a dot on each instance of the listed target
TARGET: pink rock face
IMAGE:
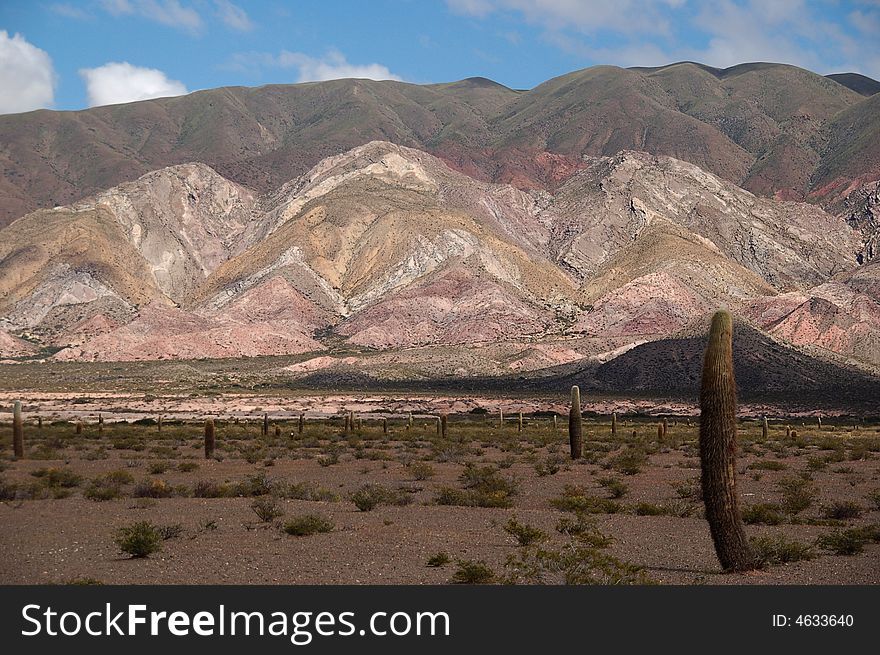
(458, 306)
(657, 303)
(89, 328)
(168, 333)
(833, 317)
(543, 355)
(273, 301)
(11, 346)
(320, 363)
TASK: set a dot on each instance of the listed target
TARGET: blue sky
(73, 54)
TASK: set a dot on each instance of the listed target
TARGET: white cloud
(725, 32)
(166, 12)
(332, 66)
(117, 82)
(646, 16)
(233, 15)
(27, 76)
(69, 11)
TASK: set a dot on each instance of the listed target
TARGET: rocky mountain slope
(770, 128)
(385, 248)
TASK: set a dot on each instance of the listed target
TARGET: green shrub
(849, 542)
(439, 559)
(55, 477)
(473, 572)
(187, 467)
(584, 530)
(140, 539)
(628, 461)
(842, 510)
(648, 509)
(525, 534)
(484, 487)
(547, 466)
(266, 509)
(772, 551)
(816, 463)
(797, 494)
(153, 488)
(255, 485)
(370, 496)
(576, 499)
(616, 488)
(308, 524)
(307, 491)
(211, 489)
(764, 513)
(689, 489)
(108, 486)
(421, 470)
(170, 531)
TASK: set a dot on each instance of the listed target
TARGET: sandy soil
(59, 540)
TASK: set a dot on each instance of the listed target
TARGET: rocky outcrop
(385, 248)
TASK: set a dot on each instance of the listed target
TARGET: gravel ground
(60, 540)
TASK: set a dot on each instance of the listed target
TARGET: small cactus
(788, 432)
(265, 425)
(301, 424)
(277, 430)
(659, 432)
(718, 449)
(444, 425)
(614, 424)
(519, 422)
(100, 423)
(555, 422)
(765, 428)
(408, 421)
(665, 427)
(575, 426)
(40, 422)
(500, 417)
(384, 425)
(159, 423)
(210, 440)
(79, 427)
(17, 430)
(439, 429)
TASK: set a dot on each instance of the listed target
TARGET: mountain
(770, 128)
(384, 261)
(861, 84)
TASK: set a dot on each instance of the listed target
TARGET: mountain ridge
(386, 249)
(781, 131)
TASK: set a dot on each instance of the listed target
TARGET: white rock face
(388, 248)
(184, 220)
(604, 208)
(61, 287)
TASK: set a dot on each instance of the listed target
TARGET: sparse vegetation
(308, 524)
(140, 539)
(266, 508)
(773, 551)
(473, 572)
(439, 559)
